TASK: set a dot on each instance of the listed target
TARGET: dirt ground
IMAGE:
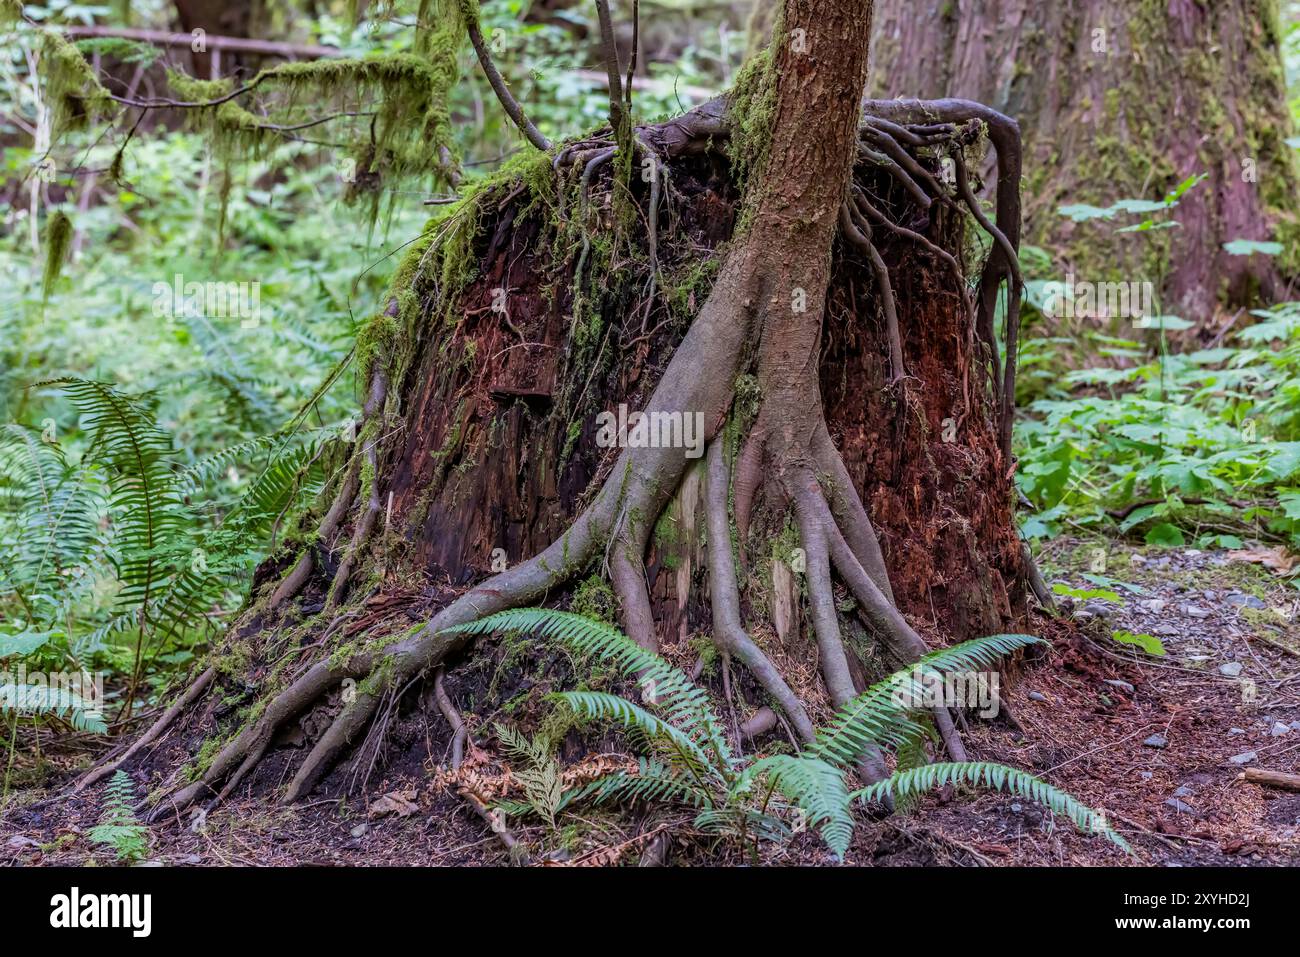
(1159, 742)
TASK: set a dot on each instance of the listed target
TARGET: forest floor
(1158, 741)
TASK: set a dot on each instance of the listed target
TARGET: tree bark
(1122, 99)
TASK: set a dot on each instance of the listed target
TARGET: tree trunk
(786, 276)
(1122, 99)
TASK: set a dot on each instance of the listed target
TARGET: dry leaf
(1277, 559)
(401, 803)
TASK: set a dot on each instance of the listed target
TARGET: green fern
(24, 700)
(693, 765)
(598, 706)
(680, 701)
(996, 777)
(118, 826)
(653, 781)
(136, 454)
(543, 788)
(816, 788)
(876, 717)
(49, 514)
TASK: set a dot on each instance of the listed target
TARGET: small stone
(1244, 758)
(1153, 605)
(1238, 600)
(1195, 611)
(1121, 685)
(1183, 791)
(1192, 553)
(1145, 775)
(1231, 669)
(1037, 696)
(1279, 729)
(1294, 726)
(359, 830)
(1236, 731)
(1156, 741)
(1096, 608)
(1166, 631)
(1179, 806)
(1017, 807)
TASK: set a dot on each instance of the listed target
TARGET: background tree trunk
(1122, 99)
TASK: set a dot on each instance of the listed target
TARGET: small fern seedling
(118, 826)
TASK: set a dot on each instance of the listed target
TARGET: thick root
(728, 632)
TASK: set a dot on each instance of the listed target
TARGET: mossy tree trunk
(1122, 99)
(776, 272)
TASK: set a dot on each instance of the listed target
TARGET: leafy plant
(118, 826)
(540, 775)
(125, 513)
(688, 761)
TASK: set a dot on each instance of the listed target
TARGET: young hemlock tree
(778, 283)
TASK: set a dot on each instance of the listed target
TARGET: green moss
(58, 238)
(752, 111)
(71, 87)
(593, 598)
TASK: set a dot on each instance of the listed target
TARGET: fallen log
(1273, 779)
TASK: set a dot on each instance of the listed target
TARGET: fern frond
(816, 788)
(597, 706)
(994, 777)
(40, 700)
(118, 826)
(652, 782)
(681, 702)
(136, 453)
(49, 513)
(882, 715)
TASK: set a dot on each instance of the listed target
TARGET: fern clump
(689, 761)
(118, 826)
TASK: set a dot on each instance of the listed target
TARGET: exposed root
(859, 233)
(728, 632)
(826, 626)
(865, 207)
(745, 482)
(459, 732)
(848, 511)
(627, 572)
(191, 695)
(759, 723)
(374, 505)
(1037, 583)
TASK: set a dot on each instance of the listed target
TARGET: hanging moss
(11, 11)
(71, 87)
(58, 237)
